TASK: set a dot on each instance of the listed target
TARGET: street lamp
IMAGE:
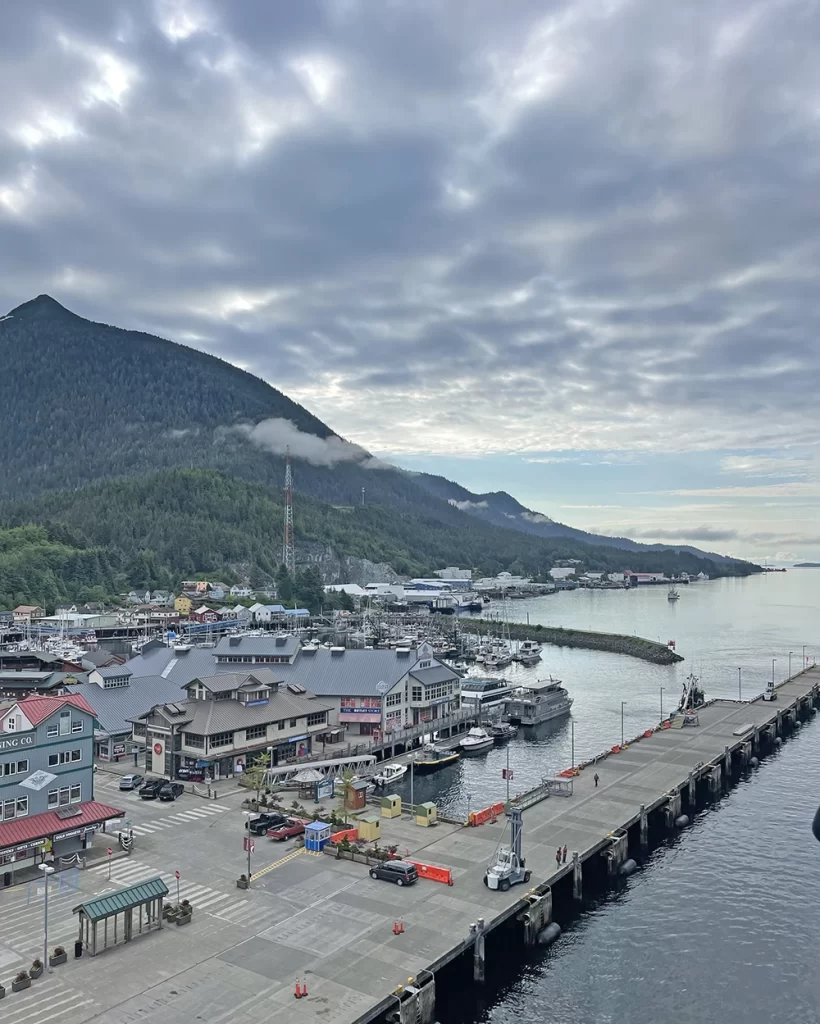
(739, 684)
(774, 661)
(623, 702)
(662, 689)
(248, 842)
(803, 666)
(572, 747)
(47, 870)
(790, 663)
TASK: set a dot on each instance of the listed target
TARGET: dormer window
(11, 725)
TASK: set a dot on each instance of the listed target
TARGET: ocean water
(723, 924)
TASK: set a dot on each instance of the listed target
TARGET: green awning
(125, 899)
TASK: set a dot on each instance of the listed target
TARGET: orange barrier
(616, 749)
(433, 873)
(350, 834)
(488, 814)
(647, 734)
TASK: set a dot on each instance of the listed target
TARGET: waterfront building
(47, 801)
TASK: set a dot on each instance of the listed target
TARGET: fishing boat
(673, 595)
(432, 758)
(390, 773)
(503, 731)
(537, 702)
(477, 741)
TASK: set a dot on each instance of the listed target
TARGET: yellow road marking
(277, 863)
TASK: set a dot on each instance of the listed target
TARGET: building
(240, 590)
(452, 572)
(27, 613)
(351, 589)
(37, 661)
(561, 572)
(14, 685)
(639, 578)
(228, 720)
(47, 779)
(204, 614)
(265, 613)
(79, 620)
(414, 685)
(183, 605)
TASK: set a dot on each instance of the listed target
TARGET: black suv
(150, 791)
(398, 871)
(259, 826)
(171, 790)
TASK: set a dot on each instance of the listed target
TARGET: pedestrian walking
(135, 759)
(558, 857)
(596, 777)
(564, 855)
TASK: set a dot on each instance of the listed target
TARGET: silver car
(131, 781)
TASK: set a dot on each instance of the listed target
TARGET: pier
(643, 790)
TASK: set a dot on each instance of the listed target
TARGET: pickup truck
(265, 822)
(289, 830)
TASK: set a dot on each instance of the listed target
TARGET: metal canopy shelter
(146, 897)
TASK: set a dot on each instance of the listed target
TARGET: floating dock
(652, 782)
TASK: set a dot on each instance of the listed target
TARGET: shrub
(37, 963)
(344, 844)
(263, 801)
(21, 976)
(186, 903)
(58, 951)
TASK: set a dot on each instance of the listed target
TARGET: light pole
(469, 798)
(412, 786)
(804, 656)
(774, 661)
(739, 684)
(623, 702)
(790, 663)
(662, 689)
(572, 748)
(47, 870)
(248, 842)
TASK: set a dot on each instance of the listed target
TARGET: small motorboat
(432, 758)
(503, 731)
(477, 741)
(390, 773)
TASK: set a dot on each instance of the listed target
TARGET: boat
(503, 731)
(477, 741)
(432, 758)
(481, 694)
(537, 702)
(390, 773)
(673, 594)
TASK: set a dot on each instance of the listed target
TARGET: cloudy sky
(565, 248)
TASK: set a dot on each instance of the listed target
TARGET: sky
(566, 248)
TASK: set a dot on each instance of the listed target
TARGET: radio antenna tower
(288, 553)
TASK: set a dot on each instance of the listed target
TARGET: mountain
(82, 402)
(501, 509)
(151, 531)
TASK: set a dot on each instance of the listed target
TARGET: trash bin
(78, 949)
(6, 879)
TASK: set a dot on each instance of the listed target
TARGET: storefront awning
(23, 833)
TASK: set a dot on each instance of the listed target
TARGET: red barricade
(433, 873)
(351, 834)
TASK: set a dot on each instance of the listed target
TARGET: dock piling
(577, 877)
(644, 827)
(479, 962)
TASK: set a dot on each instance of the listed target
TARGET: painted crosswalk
(191, 814)
(54, 1003)
(127, 872)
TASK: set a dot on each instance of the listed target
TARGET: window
(139, 730)
(256, 732)
(280, 726)
(193, 739)
(393, 699)
(65, 723)
(65, 757)
(222, 739)
(317, 718)
(115, 681)
(65, 795)
(77, 725)
(415, 694)
(15, 808)
(393, 716)
(11, 725)
(293, 723)
(53, 731)
(13, 768)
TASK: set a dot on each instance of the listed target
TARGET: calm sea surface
(724, 924)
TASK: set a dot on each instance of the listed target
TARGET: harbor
(643, 789)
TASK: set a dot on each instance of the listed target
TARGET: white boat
(477, 741)
(482, 694)
(390, 773)
(673, 595)
(539, 702)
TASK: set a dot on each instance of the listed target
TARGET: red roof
(38, 709)
(44, 826)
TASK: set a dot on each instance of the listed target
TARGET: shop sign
(15, 742)
(119, 748)
(324, 789)
(85, 830)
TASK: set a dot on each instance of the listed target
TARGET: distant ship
(538, 702)
(673, 595)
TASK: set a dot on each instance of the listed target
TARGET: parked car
(150, 790)
(289, 830)
(261, 825)
(171, 790)
(131, 781)
(398, 871)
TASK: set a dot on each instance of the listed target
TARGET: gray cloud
(453, 227)
(281, 436)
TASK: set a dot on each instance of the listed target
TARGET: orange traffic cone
(401, 927)
(304, 988)
(296, 993)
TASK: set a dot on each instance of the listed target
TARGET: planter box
(2, 992)
(183, 919)
(56, 959)
(35, 972)
(19, 986)
(241, 883)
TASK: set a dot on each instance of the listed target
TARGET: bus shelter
(113, 915)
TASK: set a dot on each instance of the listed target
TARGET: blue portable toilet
(317, 836)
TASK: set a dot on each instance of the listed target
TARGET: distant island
(807, 565)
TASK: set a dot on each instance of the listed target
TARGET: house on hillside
(217, 594)
(240, 590)
(204, 614)
(27, 613)
(183, 605)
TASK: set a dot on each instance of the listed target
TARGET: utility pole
(47, 870)
(790, 663)
(662, 689)
(739, 684)
(623, 702)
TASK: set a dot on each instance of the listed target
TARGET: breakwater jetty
(614, 643)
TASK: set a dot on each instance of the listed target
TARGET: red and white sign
(110, 851)
(176, 875)
(506, 773)
(157, 748)
(247, 844)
